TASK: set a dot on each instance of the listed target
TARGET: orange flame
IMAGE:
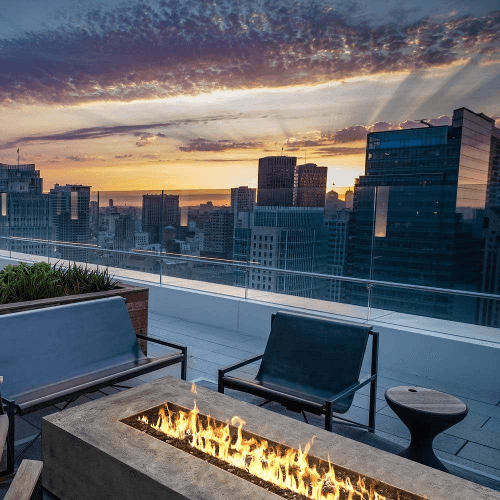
(289, 470)
(193, 388)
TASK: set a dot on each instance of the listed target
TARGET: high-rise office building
(291, 238)
(417, 216)
(493, 194)
(20, 179)
(242, 199)
(218, 234)
(24, 209)
(489, 309)
(276, 181)
(154, 218)
(242, 204)
(124, 232)
(70, 219)
(337, 224)
(309, 185)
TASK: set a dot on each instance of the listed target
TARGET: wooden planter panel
(136, 300)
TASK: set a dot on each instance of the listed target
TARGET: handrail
(254, 266)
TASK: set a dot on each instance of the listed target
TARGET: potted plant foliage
(24, 287)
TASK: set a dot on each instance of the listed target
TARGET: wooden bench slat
(25, 482)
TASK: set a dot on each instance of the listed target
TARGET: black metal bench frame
(69, 395)
(300, 404)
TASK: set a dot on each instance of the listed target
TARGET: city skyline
(143, 96)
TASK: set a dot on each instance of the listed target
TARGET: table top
(426, 400)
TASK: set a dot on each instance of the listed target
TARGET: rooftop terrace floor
(471, 449)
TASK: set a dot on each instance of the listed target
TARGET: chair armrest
(223, 371)
(351, 389)
(182, 348)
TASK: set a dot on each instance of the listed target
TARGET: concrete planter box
(136, 301)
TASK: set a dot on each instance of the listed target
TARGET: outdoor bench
(56, 354)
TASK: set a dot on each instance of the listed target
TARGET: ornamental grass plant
(42, 281)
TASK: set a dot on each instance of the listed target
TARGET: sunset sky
(188, 94)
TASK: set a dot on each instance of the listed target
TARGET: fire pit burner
(292, 474)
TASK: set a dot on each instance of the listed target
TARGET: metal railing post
(369, 308)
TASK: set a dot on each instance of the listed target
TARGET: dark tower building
(493, 195)
(417, 216)
(218, 237)
(153, 218)
(276, 181)
(124, 232)
(70, 219)
(310, 185)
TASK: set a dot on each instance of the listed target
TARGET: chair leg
(329, 417)
(10, 439)
(373, 402)
(183, 370)
(220, 384)
(373, 383)
(304, 415)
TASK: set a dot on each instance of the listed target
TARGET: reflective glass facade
(417, 216)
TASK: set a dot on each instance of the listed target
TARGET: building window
(260, 238)
(265, 263)
(265, 238)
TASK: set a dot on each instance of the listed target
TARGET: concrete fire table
(88, 452)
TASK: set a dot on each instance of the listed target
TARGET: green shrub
(41, 281)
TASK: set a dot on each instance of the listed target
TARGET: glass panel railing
(416, 232)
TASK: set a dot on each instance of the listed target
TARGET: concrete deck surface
(471, 449)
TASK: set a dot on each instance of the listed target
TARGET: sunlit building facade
(309, 185)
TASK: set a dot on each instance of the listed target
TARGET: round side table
(426, 413)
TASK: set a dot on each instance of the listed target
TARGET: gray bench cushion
(65, 346)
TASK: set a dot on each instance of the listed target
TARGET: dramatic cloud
(124, 156)
(85, 158)
(138, 130)
(381, 127)
(201, 144)
(145, 140)
(166, 48)
(350, 134)
(339, 151)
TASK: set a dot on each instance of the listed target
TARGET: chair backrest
(45, 346)
(313, 355)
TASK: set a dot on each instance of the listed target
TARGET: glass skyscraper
(417, 216)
